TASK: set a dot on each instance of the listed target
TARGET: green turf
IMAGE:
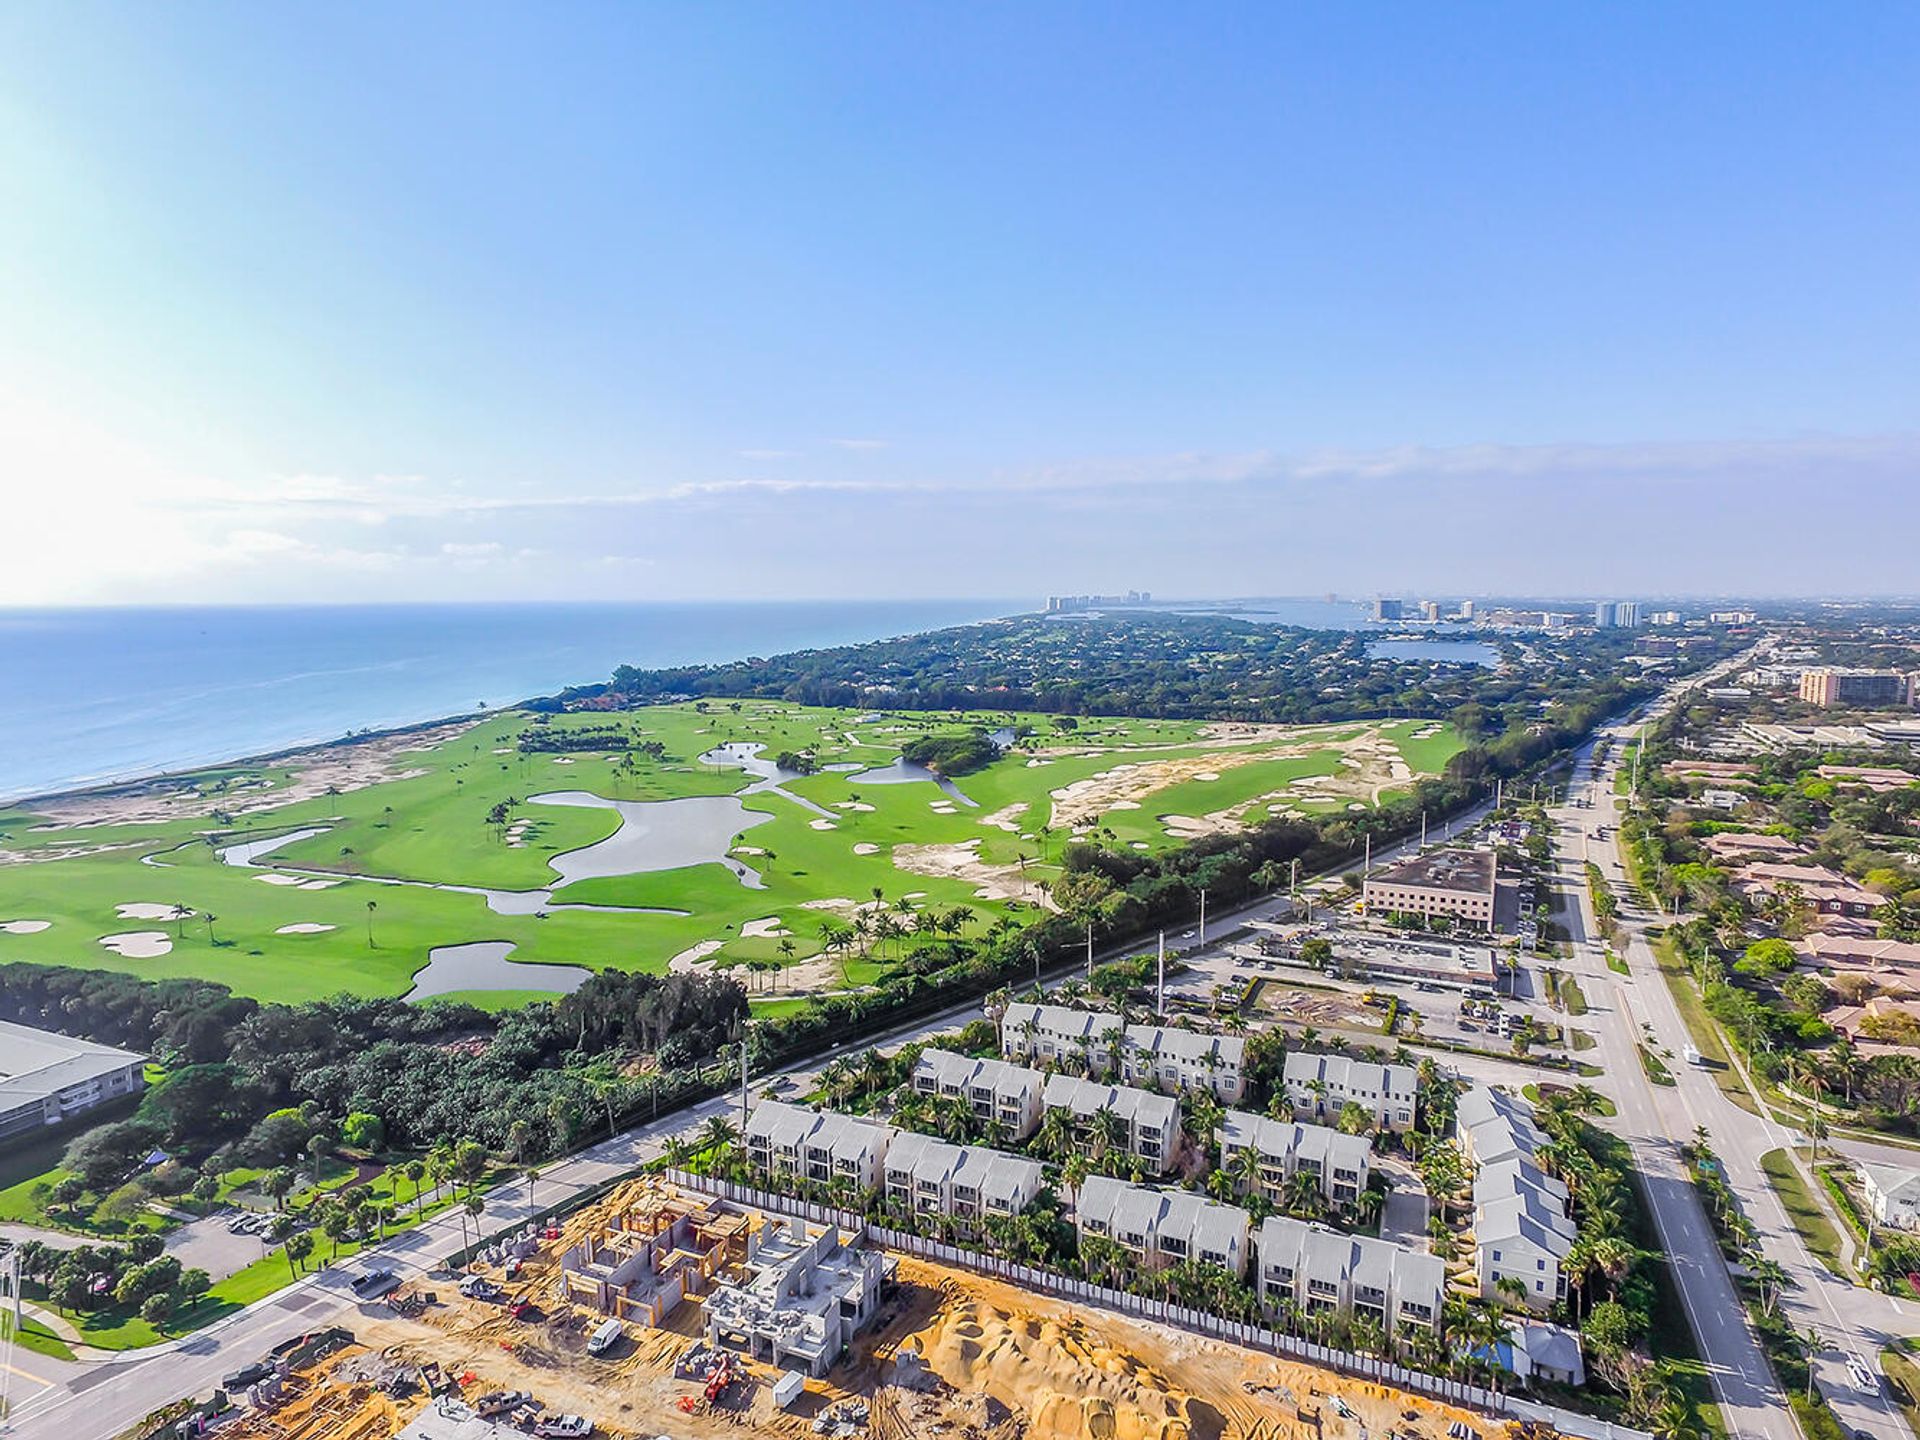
(1816, 1230)
(36, 1337)
(428, 825)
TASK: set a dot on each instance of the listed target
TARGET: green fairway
(358, 903)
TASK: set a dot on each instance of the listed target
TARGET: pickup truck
(371, 1284)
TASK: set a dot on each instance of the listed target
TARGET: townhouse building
(1318, 1269)
(1523, 1226)
(1338, 1164)
(1088, 1040)
(1319, 1085)
(1163, 1227)
(822, 1147)
(1151, 1122)
(1185, 1060)
(968, 1182)
(997, 1091)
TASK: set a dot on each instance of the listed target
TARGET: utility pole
(1423, 829)
(1367, 866)
(1089, 952)
(743, 1085)
(1293, 878)
(1160, 985)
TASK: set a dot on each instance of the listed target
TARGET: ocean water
(88, 696)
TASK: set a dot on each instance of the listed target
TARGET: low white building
(967, 1182)
(1152, 1122)
(801, 1297)
(1041, 1034)
(1315, 1268)
(1184, 1060)
(1163, 1227)
(45, 1077)
(1338, 1163)
(998, 1091)
(817, 1146)
(1893, 1194)
(1319, 1085)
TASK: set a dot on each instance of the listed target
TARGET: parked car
(371, 1284)
(605, 1338)
(1864, 1380)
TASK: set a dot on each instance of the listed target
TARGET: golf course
(500, 859)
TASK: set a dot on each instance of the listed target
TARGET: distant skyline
(476, 302)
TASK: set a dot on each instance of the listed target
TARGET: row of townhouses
(1102, 1043)
(1521, 1223)
(917, 1172)
(1018, 1097)
(1339, 1164)
(1318, 1086)
(1309, 1266)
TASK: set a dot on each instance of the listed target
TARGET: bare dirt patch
(962, 862)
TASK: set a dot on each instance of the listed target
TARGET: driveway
(206, 1244)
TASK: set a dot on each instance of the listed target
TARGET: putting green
(459, 812)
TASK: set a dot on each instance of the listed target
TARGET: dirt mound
(1069, 1381)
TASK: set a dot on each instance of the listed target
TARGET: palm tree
(372, 905)
(719, 1133)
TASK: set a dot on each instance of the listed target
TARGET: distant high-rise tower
(1603, 615)
(1388, 610)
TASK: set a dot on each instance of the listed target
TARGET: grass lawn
(1571, 997)
(1816, 1230)
(36, 1337)
(428, 824)
(1903, 1380)
(1655, 1067)
(26, 1203)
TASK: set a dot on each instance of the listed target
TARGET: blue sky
(630, 301)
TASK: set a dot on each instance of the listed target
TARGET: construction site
(567, 1333)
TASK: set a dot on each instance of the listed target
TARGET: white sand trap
(748, 850)
(1129, 804)
(305, 927)
(1141, 845)
(139, 944)
(767, 929)
(693, 958)
(839, 902)
(146, 911)
(916, 894)
(1038, 764)
(278, 879)
(822, 825)
(24, 927)
(864, 848)
(503, 749)
(1006, 819)
(858, 806)
(1206, 775)
(563, 760)
(1356, 805)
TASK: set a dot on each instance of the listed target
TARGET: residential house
(1893, 1194)
(817, 1146)
(1087, 1040)
(998, 1092)
(1319, 1085)
(967, 1182)
(1318, 1269)
(1338, 1163)
(1185, 1060)
(1163, 1227)
(1151, 1122)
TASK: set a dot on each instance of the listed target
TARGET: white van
(605, 1338)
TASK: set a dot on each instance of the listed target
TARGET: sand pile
(1072, 1385)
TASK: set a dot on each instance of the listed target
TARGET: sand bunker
(961, 862)
(1007, 818)
(858, 806)
(693, 958)
(24, 927)
(767, 929)
(139, 944)
(145, 911)
(866, 847)
(278, 879)
(822, 825)
(748, 850)
(305, 927)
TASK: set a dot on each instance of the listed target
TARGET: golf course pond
(487, 965)
(658, 835)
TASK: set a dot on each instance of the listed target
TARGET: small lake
(248, 852)
(1435, 652)
(909, 772)
(485, 965)
(768, 777)
(658, 835)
